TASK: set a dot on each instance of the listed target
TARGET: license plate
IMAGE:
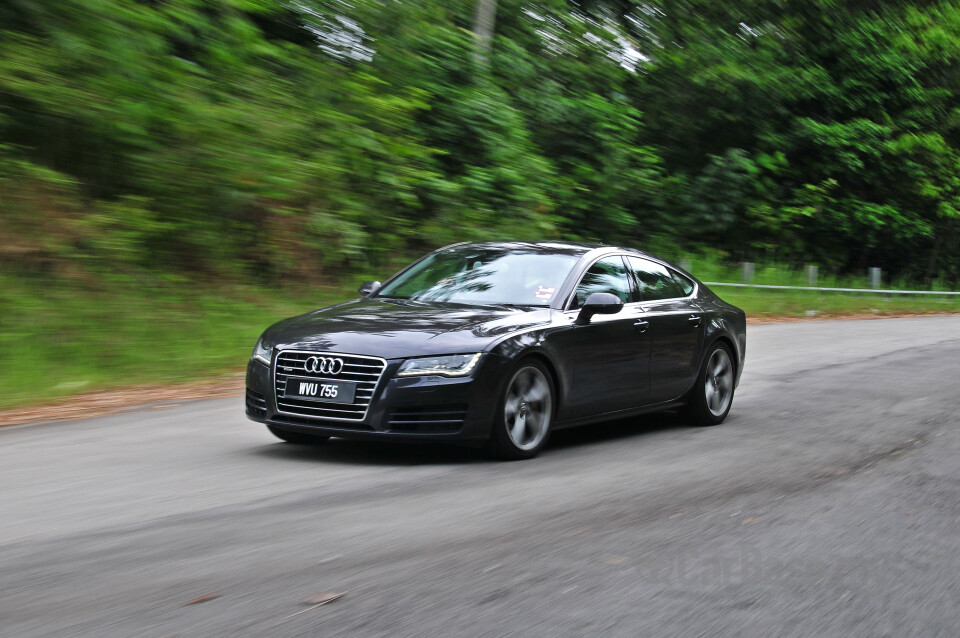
(320, 390)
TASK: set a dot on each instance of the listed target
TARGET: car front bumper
(411, 408)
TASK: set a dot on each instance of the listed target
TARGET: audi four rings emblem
(323, 365)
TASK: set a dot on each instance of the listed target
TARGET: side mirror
(367, 288)
(599, 303)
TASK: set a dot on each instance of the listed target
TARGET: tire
(524, 413)
(709, 401)
(297, 438)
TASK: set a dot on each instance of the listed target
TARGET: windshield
(483, 276)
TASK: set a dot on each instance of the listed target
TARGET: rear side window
(686, 286)
(606, 275)
(654, 281)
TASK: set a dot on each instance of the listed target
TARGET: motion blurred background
(177, 174)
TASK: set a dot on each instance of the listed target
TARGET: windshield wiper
(520, 306)
(399, 301)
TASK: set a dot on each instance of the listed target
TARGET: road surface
(827, 504)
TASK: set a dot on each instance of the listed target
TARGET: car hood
(395, 329)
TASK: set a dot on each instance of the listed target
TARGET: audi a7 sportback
(501, 343)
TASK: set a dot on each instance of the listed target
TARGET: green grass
(59, 339)
(759, 302)
(796, 303)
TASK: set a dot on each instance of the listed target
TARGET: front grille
(365, 371)
(256, 404)
(428, 419)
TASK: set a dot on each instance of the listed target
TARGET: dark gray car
(501, 342)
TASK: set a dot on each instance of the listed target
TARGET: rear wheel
(297, 438)
(712, 395)
(525, 413)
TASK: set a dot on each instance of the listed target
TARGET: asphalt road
(827, 504)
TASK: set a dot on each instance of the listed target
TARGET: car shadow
(397, 453)
(403, 453)
(605, 431)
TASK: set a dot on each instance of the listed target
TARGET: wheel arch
(500, 438)
(542, 357)
(533, 344)
(727, 341)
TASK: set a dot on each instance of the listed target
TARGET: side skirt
(618, 414)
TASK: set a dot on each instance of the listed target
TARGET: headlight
(456, 365)
(262, 352)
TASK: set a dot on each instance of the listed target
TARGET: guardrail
(824, 289)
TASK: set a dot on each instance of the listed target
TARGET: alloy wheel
(528, 408)
(718, 382)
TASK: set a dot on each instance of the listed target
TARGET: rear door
(676, 328)
(607, 359)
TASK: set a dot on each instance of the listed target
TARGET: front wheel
(712, 395)
(297, 438)
(525, 413)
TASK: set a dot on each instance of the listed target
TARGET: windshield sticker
(544, 292)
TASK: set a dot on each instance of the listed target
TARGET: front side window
(653, 280)
(606, 275)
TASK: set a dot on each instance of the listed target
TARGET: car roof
(544, 247)
(576, 249)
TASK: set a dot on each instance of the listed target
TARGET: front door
(606, 359)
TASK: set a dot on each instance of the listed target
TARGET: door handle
(641, 325)
(694, 320)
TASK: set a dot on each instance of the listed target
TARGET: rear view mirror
(367, 288)
(599, 303)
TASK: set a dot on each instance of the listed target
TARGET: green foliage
(155, 153)
(227, 139)
(859, 103)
